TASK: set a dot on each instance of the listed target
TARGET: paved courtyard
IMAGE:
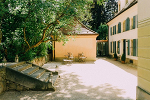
(104, 79)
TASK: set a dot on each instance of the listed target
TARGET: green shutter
(115, 46)
(118, 47)
(134, 19)
(120, 27)
(128, 23)
(134, 47)
(128, 47)
(115, 29)
(111, 47)
(110, 30)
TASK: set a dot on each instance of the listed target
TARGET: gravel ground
(104, 79)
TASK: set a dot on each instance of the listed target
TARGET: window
(115, 29)
(110, 30)
(131, 48)
(128, 47)
(118, 47)
(124, 26)
(134, 47)
(134, 22)
(119, 27)
(127, 27)
(114, 47)
(131, 23)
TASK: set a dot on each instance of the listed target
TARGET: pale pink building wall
(79, 44)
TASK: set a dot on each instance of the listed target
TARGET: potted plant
(123, 58)
(115, 57)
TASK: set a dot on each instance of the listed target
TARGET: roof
(124, 9)
(85, 30)
(101, 41)
(79, 29)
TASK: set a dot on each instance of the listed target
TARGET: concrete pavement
(104, 79)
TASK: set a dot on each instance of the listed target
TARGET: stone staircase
(29, 76)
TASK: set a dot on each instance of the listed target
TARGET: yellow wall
(79, 44)
(143, 49)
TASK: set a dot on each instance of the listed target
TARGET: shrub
(115, 56)
(123, 57)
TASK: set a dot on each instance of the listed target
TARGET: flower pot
(115, 59)
(123, 62)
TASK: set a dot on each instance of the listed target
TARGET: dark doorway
(124, 46)
(102, 47)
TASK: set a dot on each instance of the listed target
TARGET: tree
(103, 32)
(27, 25)
(98, 15)
(111, 8)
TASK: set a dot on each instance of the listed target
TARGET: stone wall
(41, 60)
(2, 79)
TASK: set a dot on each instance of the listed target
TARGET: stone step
(17, 64)
(45, 77)
(30, 70)
(38, 73)
(22, 67)
(31, 76)
(25, 67)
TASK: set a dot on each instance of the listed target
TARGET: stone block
(142, 94)
(19, 88)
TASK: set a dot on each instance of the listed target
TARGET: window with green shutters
(134, 47)
(110, 30)
(127, 24)
(118, 47)
(128, 47)
(134, 22)
(115, 47)
(115, 29)
(111, 47)
(119, 27)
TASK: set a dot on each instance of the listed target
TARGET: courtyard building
(123, 31)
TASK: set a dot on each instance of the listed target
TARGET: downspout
(54, 50)
(108, 42)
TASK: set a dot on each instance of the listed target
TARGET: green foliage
(26, 25)
(103, 32)
(123, 57)
(115, 56)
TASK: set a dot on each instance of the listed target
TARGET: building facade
(84, 41)
(123, 31)
(143, 88)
